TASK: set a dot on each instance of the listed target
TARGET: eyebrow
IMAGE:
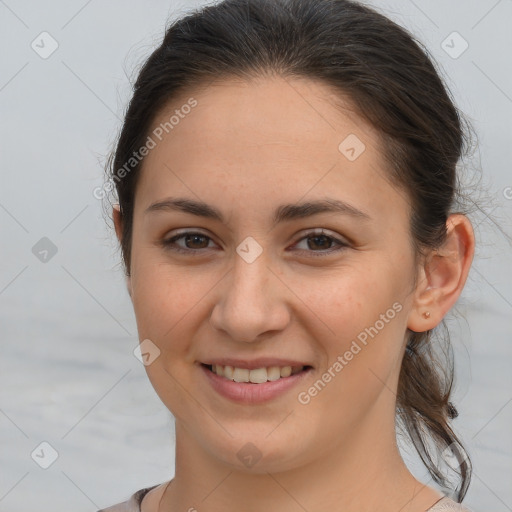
(286, 212)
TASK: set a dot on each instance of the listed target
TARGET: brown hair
(392, 82)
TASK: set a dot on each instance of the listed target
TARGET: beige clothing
(133, 504)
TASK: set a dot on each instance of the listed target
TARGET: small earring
(426, 314)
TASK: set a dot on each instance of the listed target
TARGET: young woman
(287, 187)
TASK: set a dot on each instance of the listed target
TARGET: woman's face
(249, 286)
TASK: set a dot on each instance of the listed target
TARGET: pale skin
(245, 149)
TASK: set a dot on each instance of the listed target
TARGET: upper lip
(261, 362)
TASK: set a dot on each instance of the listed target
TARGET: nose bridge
(250, 276)
(247, 307)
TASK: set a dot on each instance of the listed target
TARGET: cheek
(362, 316)
(346, 301)
(164, 298)
(363, 362)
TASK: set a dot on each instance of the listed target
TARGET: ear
(443, 275)
(118, 221)
(118, 224)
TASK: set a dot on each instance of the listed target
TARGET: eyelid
(335, 238)
(169, 243)
(321, 231)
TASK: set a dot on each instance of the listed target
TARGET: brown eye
(192, 241)
(318, 243)
(321, 244)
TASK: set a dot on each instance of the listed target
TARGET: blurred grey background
(73, 397)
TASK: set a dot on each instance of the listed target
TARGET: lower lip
(249, 393)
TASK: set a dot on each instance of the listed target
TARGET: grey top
(133, 504)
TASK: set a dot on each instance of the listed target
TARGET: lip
(249, 393)
(262, 362)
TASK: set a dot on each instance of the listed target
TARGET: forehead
(272, 110)
(262, 141)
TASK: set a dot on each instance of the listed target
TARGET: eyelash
(169, 244)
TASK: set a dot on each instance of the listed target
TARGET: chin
(260, 453)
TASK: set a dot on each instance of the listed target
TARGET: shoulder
(447, 504)
(130, 505)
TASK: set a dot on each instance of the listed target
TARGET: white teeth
(256, 376)
(273, 373)
(286, 371)
(240, 375)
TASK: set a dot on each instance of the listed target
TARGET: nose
(252, 302)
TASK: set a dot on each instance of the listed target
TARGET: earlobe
(422, 316)
(443, 275)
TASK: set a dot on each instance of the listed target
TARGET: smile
(253, 386)
(257, 375)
